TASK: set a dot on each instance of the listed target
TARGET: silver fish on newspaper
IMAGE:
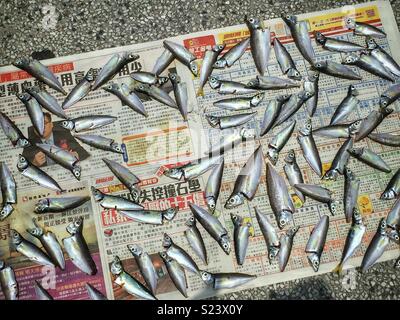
(269, 233)
(371, 122)
(319, 194)
(390, 95)
(351, 189)
(348, 104)
(47, 101)
(225, 280)
(271, 112)
(370, 158)
(41, 293)
(157, 94)
(8, 282)
(86, 123)
(232, 55)
(386, 139)
(285, 61)
(176, 273)
(316, 242)
(363, 29)
(100, 142)
(113, 66)
(272, 83)
(279, 141)
(247, 181)
(59, 204)
(108, 201)
(12, 132)
(209, 59)
(241, 235)
(213, 226)
(230, 139)
(382, 56)
(36, 69)
(311, 84)
(335, 69)
(49, 242)
(339, 130)
(156, 217)
(195, 239)
(340, 161)
(8, 191)
(34, 110)
(392, 190)
(127, 282)
(77, 249)
(393, 216)
(213, 186)
(181, 94)
(225, 122)
(80, 91)
(183, 55)
(229, 87)
(286, 241)
(148, 77)
(337, 45)
(293, 173)
(37, 175)
(93, 293)
(240, 103)
(162, 62)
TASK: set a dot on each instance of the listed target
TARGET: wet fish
(301, 37)
(34, 111)
(241, 235)
(392, 190)
(269, 233)
(260, 43)
(319, 194)
(63, 157)
(232, 55)
(335, 69)
(100, 142)
(47, 101)
(127, 97)
(279, 141)
(127, 282)
(393, 216)
(213, 226)
(225, 280)
(8, 191)
(181, 94)
(363, 29)
(213, 186)
(316, 242)
(12, 132)
(179, 255)
(176, 273)
(311, 84)
(59, 204)
(353, 240)
(240, 103)
(232, 138)
(382, 56)
(348, 104)
(285, 61)
(156, 217)
(183, 55)
(279, 197)
(371, 122)
(271, 112)
(193, 169)
(272, 83)
(386, 139)
(370, 64)
(339, 130)
(376, 247)
(390, 95)
(145, 265)
(77, 249)
(93, 293)
(247, 181)
(163, 62)
(113, 66)
(36, 69)
(209, 59)
(337, 45)
(351, 189)
(37, 175)
(80, 91)
(148, 77)
(293, 173)
(285, 250)
(195, 239)
(229, 87)
(29, 250)
(8, 282)
(41, 293)
(338, 165)
(86, 123)
(123, 174)
(225, 122)
(49, 242)
(370, 158)
(108, 201)
(157, 94)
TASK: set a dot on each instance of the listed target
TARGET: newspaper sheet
(164, 140)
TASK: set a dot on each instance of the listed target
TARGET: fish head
(90, 75)
(175, 79)
(111, 87)
(357, 218)
(24, 96)
(135, 193)
(290, 157)
(384, 101)
(382, 226)
(220, 64)
(37, 232)
(163, 256)
(273, 155)
(167, 241)
(352, 91)
(162, 80)
(348, 173)
(333, 207)
(170, 213)
(393, 235)
(22, 62)
(350, 59)
(225, 243)
(116, 266)
(319, 66)
(75, 226)
(22, 163)
(313, 76)
(356, 152)
(397, 265)
(371, 43)
(143, 87)
(41, 206)
(289, 19)
(15, 237)
(130, 56)
(349, 23)
(272, 253)
(194, 68)
(283, 98)
(284, 218)
(135, 249)
(307, 128)
(292, 231)
(207, 277)
(218, 48)
(253, 23)
(97, 194)
(386, 111)
(354, 127)
(174, 173)
(190, 222)
(6, 211)
(22, 143)
(211, 204)
(68, 124)
(255, 100)
(294, 74)
(76, 171)
(314, 261)
(236, 220)
(116, 147)
(32, 90)
(212, 120)
(214, 82)
(331, 174)
(253, 83)
(234, 201)
(319, 37)
(388, 195)
(247, 133)
(306, 94)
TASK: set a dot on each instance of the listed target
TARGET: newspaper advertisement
(164, 140)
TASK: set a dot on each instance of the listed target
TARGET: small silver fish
(93, 293)
(271, 113)
(386, 139)
(176, 273)
(41, 293)
(232, 138)
(209, 59)
(390, 95)
(335, 69)
(229, 87)
(34, 110)
(77, 249)
(293, 173)
(108, 201)
(363, 29)
(220, 281)
(382, 56)
(232, 55)
(311, 84)
(100, 142)
(316, 242)
(336, 45)
(8, 191)
(351, 189)
(113, 66)
(279, 141)
(393, 216)
(47, 101)
(348, 104)
(86, 123)
(12, 132)
(213, 226)
(8, 282)
(319, 194)
(241, 235)
(162, 62)
(240, 103)
(392, 190)
(195, 239)
(213, 186)
(181, 94)
(156, 217)
(339, 130)
(286, 241)
(371, 122)
(285, 61)
(157, 94)
(370, 158)
(269, 233)
(272, 83)
(339, 162)
(80, 91)
(183, 55)
(148, 77)
(225, 122)
(36, 69)
(59, 204)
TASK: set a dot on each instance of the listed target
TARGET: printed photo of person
(53, 134)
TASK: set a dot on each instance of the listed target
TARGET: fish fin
(338, 270)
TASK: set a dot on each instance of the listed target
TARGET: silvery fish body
(339, 130)
(231, 139)
(269, 233)
(279, 197)
(77, 249)
(340, 161)
(93, 293)
(41, 293)
(348, 104)
(47, 101)
(59, 204)
(383, 57)
(162, 62)
(8, 191)
(260, 43)
(209, 59)
(285, 250)
(181, 94)
(293, 173)
(335, 69)
(8, 282)
(34, 110)
(271, 112)
(63, 157)
(108, 201)
(148, 77)
(279, 141)
(225, 122)
(351, 189)
(337, 45)
(113, 66)
(285, 61)
(319, 194)
(127, 97)
(36, 69)
(183, 55)
(86, 123)
(80, 91)
(156, 217)
(386, 139)
(37, 175)
(157, 94)
(370, 158)
(213, 186)
(363, 29)
(392, 190)
(213, 226)
(316, 242)
(229, 87)
(239, 103)
(176, 273)
(12, 132)
(247, 181)
(241, 234)
(100, 142)
(390, 95)
(232, 55)
(393, 216)
(373, 120)
(311, 84)
(195, 239)
(219, 281)
(272, 83)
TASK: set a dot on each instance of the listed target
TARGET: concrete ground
(87, 25)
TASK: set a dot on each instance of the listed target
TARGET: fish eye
(251, 20)
(288, 16)
(232, 200)
(282, 222)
